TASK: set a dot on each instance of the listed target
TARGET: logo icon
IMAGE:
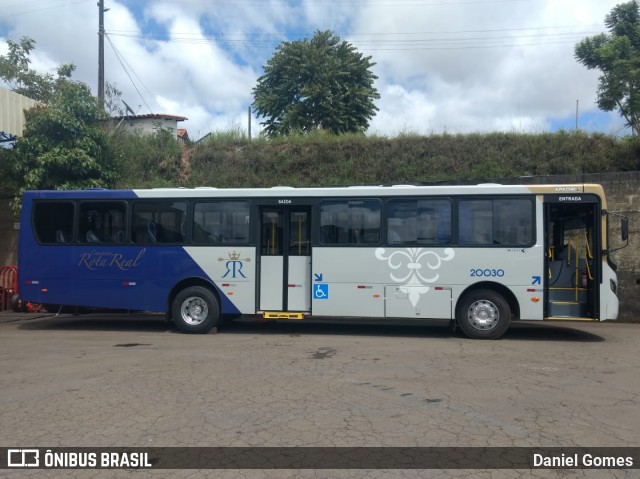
(414, 265)
(23, 458)
(320, 291)
(234, 264)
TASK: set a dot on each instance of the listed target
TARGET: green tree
(16, 72)
(322, 83)
(617, 55)
(64, 144)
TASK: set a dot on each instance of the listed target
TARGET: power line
(34, 7)
(465, 47)
(459, 39)
(122, 62)
(307, 34)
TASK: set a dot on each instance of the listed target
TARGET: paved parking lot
(133, 381)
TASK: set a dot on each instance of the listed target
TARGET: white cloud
(481, 66)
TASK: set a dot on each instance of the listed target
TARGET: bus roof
(348, 191)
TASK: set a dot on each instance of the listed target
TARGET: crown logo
(234, 256)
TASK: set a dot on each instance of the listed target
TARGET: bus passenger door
(285, 259)
(573, 259)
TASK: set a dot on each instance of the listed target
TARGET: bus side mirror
(624, 231)
(624, 228)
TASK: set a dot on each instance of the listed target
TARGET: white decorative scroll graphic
(415, 266)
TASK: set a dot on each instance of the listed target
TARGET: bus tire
(483, 314)
(195, 310)
(17, 305)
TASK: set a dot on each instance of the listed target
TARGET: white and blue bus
(479, 256)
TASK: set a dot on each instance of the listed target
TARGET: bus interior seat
(92, 237)
(61, 237)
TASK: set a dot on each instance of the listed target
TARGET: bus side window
(53, 221)
(159, 222)
(496, 222)
(221, 222)
(513, 222)
(424, 222)
(350, 222)
(101, 222)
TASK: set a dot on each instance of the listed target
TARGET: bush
(147, 161)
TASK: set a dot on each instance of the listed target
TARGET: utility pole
(101, 11)
(249, 120)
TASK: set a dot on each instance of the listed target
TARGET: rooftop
(148, 116)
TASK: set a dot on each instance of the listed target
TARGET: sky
(454, 66)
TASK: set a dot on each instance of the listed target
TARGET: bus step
(282, 315)
(561, 318)
(568, 309)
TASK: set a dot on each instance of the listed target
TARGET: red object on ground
(8, 286)
(9, 298)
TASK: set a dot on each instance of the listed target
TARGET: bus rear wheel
(483, 314)
(195, 310)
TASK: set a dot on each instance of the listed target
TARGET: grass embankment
(231, 160)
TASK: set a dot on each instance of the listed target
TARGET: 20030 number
(486, 273)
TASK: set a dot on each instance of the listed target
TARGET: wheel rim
(483, 315)
(194, 310)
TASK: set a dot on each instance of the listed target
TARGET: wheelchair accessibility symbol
(320, 291)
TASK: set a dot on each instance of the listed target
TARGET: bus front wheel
(483, 314)
(195, 310)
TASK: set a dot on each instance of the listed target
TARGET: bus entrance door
(285, 262)
(573, 263)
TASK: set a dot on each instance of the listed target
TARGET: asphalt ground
(114, 380)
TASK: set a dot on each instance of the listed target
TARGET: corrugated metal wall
(12, 106)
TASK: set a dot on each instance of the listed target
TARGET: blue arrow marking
(317, 276)
(536, 279)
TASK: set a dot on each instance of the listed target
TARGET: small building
(149, 123)
(12, 107)
(183, 136)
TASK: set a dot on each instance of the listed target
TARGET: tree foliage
(64, 144)
(322, 83)
(16, 72)
(617, 55)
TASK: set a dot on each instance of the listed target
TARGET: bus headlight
(614, 286)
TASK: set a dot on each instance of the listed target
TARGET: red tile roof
(151, 116)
